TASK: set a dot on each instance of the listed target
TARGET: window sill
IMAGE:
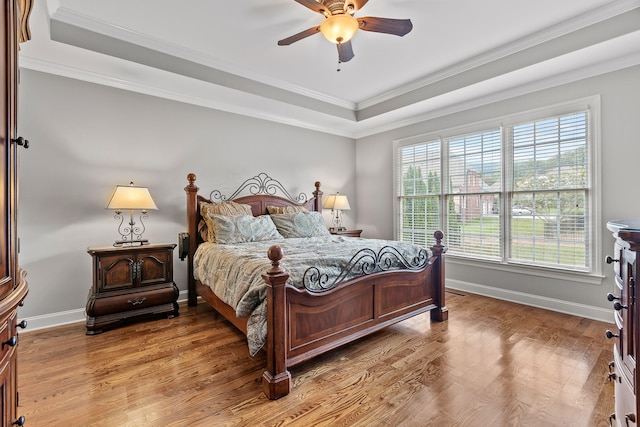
(574, 276)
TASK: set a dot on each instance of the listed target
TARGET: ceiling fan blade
(399, 27)
(345, 51)
(301, 35)
(315, 6)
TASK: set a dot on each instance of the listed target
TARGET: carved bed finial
(191, 178)
(275, 254)
(438, 249)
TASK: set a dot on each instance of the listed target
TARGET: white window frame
(590, 104)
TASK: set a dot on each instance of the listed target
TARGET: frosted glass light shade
(339, 28)
(131, 197)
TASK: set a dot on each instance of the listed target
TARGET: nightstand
(130, 282)
(348, 233)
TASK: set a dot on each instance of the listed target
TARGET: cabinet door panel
(155, 267)
(116, 272)
(8, 74)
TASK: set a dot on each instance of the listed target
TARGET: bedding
(233, 271)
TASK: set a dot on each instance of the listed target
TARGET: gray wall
(619, 193)
(86, 138)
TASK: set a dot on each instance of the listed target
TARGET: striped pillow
(276, 210)
(226, 208)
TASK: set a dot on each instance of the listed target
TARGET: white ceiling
(224, 55)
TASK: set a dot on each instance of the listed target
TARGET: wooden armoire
(13, 286)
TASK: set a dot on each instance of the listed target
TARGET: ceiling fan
(340, 25)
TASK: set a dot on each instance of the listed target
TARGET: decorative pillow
(226, 208)
(300, 224)
(275, 210)
(243, 228)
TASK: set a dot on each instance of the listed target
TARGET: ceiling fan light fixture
(339, 28)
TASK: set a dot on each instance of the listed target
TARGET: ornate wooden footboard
(302, 324)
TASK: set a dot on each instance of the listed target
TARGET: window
(518, 191)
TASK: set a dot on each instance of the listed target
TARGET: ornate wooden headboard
(259, 192)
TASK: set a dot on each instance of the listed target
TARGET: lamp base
(127, 243)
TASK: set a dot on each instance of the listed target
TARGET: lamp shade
(336, 202)
(131, 197)
(339, 28)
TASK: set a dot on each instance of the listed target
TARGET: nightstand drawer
(125, 302)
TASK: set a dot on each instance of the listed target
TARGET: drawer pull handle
(11, 342)
(610, 260)
(22, 324)
(612, 297)
(137, 301)
(136, 269)
(610, 334)
(19, 421)
(617, 306)
(23, 143)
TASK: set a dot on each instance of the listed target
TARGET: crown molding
(199, 93)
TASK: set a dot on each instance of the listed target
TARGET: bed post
(317, 204)
(276, 380)
(440, 313)
(192, 228)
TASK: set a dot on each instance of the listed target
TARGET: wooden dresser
(626, 334)
(13, 286)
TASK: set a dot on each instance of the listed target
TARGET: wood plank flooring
(493, 363)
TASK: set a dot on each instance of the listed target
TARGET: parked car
(517, 210)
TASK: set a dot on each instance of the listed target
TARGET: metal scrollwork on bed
(259, 184)
(364, 262)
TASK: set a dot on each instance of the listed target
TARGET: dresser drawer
(105, 304)
(617, 252)
(625, 399)
(7, 331)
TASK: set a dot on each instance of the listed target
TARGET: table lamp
(337, 203)
(132, 198)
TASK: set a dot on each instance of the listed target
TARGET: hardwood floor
(493, 363)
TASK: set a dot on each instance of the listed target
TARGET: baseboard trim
(561, 306)
(45, 321)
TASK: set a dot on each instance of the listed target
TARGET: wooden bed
(303, 324)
